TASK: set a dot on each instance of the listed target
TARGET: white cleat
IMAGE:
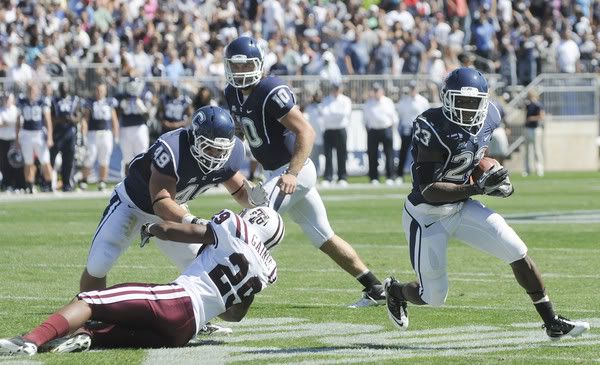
(16, 346)
(78, 342)
(370, 298)
(210, 329)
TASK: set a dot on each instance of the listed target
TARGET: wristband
(288, 172)
(148, 228)
(189, 219)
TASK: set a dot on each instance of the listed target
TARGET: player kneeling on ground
(447, 144)
(233, 265)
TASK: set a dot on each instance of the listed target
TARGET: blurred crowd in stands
(517, 39)
(163, 41)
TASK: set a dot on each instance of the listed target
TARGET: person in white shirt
(312, 112)
(409, 107)
(21, 74)
(336, 109)
(12, 177)
(233, 265)
(567, 53)
(379, 115)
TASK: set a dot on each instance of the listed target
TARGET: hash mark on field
(343, 343)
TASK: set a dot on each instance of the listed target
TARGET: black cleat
(560, 327)
(396, 307)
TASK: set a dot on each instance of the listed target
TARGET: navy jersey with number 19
(259, 114)
(171, 156)
(461, 150)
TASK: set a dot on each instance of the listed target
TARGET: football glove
(257, 196)
(504, 190)
(491, 179)
(145, 234)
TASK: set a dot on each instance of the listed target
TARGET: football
(485, 164)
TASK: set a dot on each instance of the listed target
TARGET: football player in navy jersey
(35, 136)
(101, 128)
(174, 110)
(447, 144)
(133, 114)
(178, 167)
(281, 140)
(65, 114)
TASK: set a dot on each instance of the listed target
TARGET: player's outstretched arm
(245, 193)
(179, 232)
(237, 312)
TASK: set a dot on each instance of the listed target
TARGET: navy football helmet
(465, 98)
(211, 137)
(15, 157)
(243, 62)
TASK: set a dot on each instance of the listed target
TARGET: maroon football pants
(140, 316)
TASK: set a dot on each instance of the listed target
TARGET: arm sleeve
(163, 159)
(280, 101)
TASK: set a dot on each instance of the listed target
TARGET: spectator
(158, 68)
(534, 125)
(336, 109)
(484, 35)
(382, 57)
(410, 106)
(413, 54)
(379, 115)
(203, 98)
(330, 71)
(567, 53)
(12, 176)
(20, 75)
(357, 55)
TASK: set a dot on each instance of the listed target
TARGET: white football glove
(145, 234)
(492, 179)
(504, 190)
(257, 196)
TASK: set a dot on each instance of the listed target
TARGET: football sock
(368, 279)
(54, 327)
(544, 309)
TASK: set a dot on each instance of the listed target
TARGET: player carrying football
(447, 144)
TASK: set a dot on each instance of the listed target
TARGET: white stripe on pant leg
(121, 289)
(138, 296)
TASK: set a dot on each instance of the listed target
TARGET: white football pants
(428, 229)
(304, 206)
(119, 227)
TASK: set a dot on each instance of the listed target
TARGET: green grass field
(303, 317)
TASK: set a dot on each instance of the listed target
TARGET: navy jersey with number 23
(461, 150)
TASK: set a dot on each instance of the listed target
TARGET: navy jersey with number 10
(259, 114)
